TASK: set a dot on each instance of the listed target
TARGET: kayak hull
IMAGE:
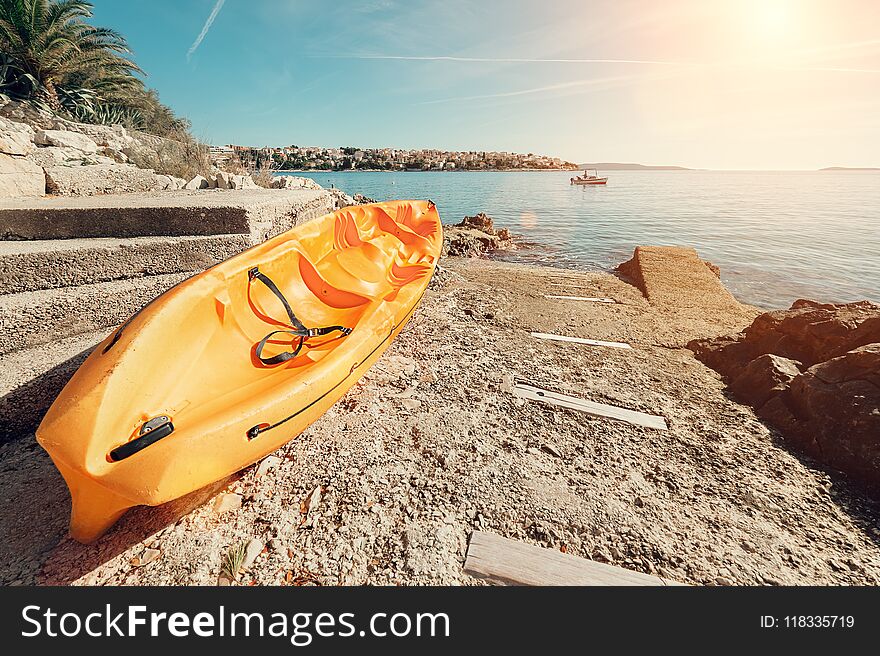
(190, 356)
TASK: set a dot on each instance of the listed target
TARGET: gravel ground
(431, 444)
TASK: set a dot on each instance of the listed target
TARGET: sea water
(777, 236)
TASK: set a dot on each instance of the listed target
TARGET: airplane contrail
(205, 29)
(512, 60)
(526, 92)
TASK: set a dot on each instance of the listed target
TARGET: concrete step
(30, 380)
(28, 319)
(27, 266)
(259, 213)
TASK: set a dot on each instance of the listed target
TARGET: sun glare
(773, 18)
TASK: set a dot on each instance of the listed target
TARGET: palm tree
(51, 41)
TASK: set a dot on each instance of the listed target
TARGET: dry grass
(263, 175)
(183, 157)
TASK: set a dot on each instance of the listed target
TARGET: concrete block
(28, 319)
(27, 266)
(259, 213)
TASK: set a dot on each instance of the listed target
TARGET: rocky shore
(432, 444)
(765, 473)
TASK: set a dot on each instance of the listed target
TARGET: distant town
(299, 158)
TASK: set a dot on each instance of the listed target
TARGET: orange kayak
(229, 365)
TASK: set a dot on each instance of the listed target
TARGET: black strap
(299, 329)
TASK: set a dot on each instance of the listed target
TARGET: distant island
(625, 166)
(850, 168)
(349, 158)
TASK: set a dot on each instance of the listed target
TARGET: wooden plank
(511, 562)
(591, 299)
(580, 340)
(532, 393)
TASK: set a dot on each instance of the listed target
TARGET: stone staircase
(60, 296)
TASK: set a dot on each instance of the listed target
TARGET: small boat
(230, 365)
(590, 177)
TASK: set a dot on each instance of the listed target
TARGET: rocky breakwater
(40, 155)
(476, 236)
(813, 373)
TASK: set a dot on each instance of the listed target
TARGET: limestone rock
(94, 180)
(222, 180)
(114, 154)
(341, 199)
(254, 548)
(226, 503)
(66, 139)
(475, 236)
(20, 177)
(294, 182)
(198, 182)
(763, 378)
(16, 138)
(242, 182)
(268, 463)
(59, 156)
(114, 137)
(169, 183)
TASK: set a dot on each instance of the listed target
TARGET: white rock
(198, 182)
(313, 500)
(16, 138)
(253, 549)
(115, 154)
(269, 462)
(55, 156)
(242, 182)
(148, 556)
(105, 177)
(221, 180)
(20, 177)
(294, 182)
(226, 503)
(67, 139)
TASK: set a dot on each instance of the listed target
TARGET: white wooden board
(591, 299)
(511, 562)
(580, 340)
(532, 393)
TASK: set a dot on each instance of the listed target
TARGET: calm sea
(777, 236)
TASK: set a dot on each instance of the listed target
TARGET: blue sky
(787, 84)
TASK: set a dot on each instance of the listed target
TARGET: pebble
(411, 404)
(227, 502)
(148, 556)
(253, 549)
(268, 463)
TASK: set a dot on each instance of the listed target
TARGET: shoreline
(314, 171)
(432, 445)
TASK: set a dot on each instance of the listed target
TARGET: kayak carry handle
(151, 432)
